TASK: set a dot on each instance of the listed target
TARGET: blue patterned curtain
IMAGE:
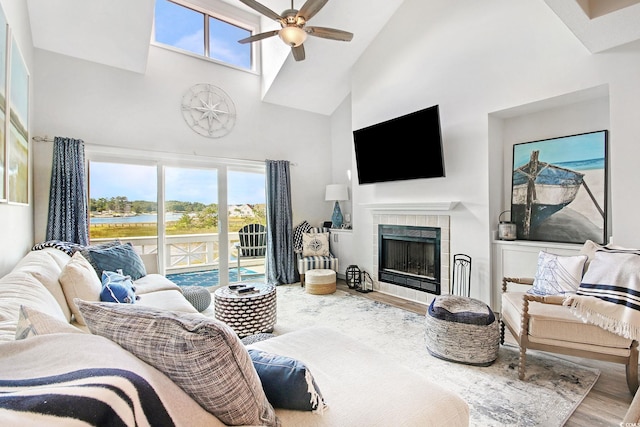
(281, 262)
(68, 196)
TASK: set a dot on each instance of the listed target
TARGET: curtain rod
(49, 139)
(42, 139)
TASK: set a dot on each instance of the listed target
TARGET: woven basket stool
(320, 281)
(463, 330)
(199, 297)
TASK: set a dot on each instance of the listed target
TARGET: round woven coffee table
(247, 314)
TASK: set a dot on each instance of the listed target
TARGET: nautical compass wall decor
(208, 110)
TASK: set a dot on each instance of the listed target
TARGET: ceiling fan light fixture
(293, 36)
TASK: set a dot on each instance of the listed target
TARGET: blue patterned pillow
(287, 382)
(114, 258)
(118, 288)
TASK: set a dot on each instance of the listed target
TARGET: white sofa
(360, 385)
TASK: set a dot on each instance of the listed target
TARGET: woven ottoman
(199, 297)
(463, 330)
(320, 281)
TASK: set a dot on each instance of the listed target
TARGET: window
(175, 207)
(204, 32)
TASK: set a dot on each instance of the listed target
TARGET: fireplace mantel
(410, 207)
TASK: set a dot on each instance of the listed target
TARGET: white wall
(112, 107)
(16, 221)
(475, 58)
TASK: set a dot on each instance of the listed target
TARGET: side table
(247, 314)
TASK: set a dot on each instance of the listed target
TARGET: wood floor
(606, 403)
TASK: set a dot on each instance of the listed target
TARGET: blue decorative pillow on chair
(118, 288)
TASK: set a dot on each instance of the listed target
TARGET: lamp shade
(293, 36)
(336, 192)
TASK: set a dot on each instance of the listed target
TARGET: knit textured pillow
(201, 355)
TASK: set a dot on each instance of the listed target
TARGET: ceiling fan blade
(329, 33)
(310, 8)
(262, 9)
(298, 53)
(256, 37)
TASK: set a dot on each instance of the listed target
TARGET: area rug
(552, 390)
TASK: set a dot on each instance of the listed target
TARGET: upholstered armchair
(313, 251)
(542, 322)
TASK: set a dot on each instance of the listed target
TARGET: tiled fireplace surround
(415, 219)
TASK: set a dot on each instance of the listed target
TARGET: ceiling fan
(294, 30)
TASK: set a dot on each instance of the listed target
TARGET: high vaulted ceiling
(117, 33)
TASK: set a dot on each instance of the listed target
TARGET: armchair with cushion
(544, 318)
(311, 245)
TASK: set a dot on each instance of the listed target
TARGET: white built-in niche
(568, 114)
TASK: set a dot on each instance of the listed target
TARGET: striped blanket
(609, 294)
(96, 397)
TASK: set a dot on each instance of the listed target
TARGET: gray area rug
(550, 393)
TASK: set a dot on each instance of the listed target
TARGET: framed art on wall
(18, 141)
(559, 189)
(3, 103)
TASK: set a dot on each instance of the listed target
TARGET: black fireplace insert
(409, 256)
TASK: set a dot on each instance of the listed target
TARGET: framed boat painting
(559, 189)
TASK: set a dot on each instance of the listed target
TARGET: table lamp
(336, 192)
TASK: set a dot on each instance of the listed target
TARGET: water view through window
(124, 205)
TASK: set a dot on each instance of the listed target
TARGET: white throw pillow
(78, 279)
(558, 275)
(32, 322)
(315, 244)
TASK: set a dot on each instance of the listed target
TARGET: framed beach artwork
(559, 189)
(18, 141)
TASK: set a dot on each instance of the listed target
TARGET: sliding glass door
(188, 214)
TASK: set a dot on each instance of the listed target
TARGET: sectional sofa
(66, 354)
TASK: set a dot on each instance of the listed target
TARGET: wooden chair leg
(632, 368)
(522, 362)
(302, 280)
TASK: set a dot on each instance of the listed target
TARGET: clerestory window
(190, 27)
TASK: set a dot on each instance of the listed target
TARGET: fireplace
(409, 256)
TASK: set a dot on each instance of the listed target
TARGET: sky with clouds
(138, 182)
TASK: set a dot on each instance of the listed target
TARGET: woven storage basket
(320, 281)
(463, 330)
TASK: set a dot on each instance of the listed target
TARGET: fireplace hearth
(409, 256)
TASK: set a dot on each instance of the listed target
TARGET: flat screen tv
(406, 147)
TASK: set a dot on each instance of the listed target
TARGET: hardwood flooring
(604, 406)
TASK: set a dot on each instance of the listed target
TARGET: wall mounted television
(403, 148)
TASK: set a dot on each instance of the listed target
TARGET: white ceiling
(117, 33)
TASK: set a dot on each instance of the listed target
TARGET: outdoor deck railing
(187, 252)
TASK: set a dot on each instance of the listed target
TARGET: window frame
(221, 11)
(161, 160)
